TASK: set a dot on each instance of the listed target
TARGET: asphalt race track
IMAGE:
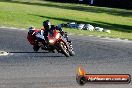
(23, 68)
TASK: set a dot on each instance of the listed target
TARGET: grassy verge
(25, 13)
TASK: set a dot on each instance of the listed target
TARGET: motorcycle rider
(49, 28)
(47, 25)
(35, 36)
(31, 35)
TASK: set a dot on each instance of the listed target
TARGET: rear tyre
(36, 48)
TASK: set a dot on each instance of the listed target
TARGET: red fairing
(55, 32)
(32, 38)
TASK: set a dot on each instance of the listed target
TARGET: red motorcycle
(60, 43)
(56, 41)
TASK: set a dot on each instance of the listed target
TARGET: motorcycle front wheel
(64, 49)
(71, 51)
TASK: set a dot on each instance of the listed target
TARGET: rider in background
(32, 35)
(35, 36)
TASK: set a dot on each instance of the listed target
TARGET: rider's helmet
(47, 24)
(31, 30)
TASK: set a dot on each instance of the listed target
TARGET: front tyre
(71, 51)
(64, 49)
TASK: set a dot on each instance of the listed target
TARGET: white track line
(3, 53)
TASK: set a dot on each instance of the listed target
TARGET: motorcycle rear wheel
(36, 48)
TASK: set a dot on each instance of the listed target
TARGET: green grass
(25, 13)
